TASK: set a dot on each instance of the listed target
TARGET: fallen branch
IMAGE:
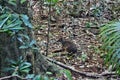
(85, 74)
(15, 76)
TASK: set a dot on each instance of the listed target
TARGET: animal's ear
(60, 39)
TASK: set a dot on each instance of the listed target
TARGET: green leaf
(25, 36)
(32, 42)
(22, 1)
(13, 62)
(2, 23)
(38, 77)
(25, 70)
(29, 76)
(25, 19)
(49, 73)
(46, 78)
(20, 39)
(23, 47)
(13, 25)
(53, 1)
(34, 48)
(12, 2)
(68, 74)
(24, 65)
(16, 28)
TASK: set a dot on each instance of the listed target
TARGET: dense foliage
(110, 37)
(16, 26)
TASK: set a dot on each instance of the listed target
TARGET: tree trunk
(9, 49)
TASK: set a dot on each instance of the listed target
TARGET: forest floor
(84, 32)
(86, 38)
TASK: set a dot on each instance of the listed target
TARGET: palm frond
(110, 38)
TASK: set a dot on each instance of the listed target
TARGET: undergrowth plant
(19, 67)
(110, 38)
(15, 25)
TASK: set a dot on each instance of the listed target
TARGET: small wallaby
(67, 46)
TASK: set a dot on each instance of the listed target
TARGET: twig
(85, 74)
(90, 34)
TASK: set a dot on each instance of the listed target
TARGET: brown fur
(67, 45)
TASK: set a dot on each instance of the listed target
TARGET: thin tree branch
(47, 47)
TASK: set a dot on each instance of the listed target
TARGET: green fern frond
(110, 38)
